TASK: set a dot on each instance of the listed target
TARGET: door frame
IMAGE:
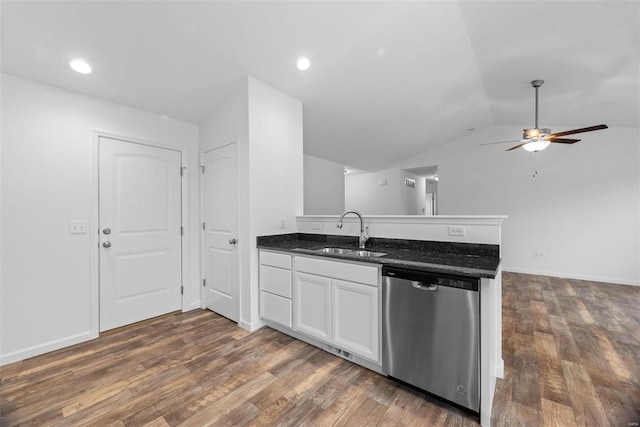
(203, 151)
(94, 232)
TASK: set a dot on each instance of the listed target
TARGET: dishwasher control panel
(424, 279)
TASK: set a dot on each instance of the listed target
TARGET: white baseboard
(572, 276)
(500, 369)
(251, 326)
(37, 350)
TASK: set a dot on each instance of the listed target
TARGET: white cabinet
(338, 302)
(313, 305)
(355, 318)
(333, 302)
(276, 308)
(275, 280)
(275, 287)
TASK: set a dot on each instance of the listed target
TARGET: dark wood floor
(571, 352)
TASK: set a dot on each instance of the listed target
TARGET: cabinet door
(312, 302)
(355, 318)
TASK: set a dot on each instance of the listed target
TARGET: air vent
(337, 351)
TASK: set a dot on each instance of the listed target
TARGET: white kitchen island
(325, 292)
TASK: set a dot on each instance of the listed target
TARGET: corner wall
(267, 125)
(49, 277)
(323, 186)
(276, 175)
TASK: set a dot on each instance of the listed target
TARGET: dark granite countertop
(461, 259)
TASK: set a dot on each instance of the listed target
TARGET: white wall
(384, 193)
(267, 125)
(373, 193)
(276, 173)
(412, 199)
(323, 186)
(478, 229)
(579, 203)
(49, 277)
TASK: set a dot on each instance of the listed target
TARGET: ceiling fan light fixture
(536, 145)
(537, 139)
(80, 66)
(535, 133)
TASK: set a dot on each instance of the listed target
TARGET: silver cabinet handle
(424, 287)
(232, 241)
(106, 231)
(107, 244)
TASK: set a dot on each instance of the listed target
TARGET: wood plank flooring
(571, 351)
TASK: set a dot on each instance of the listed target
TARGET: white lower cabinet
(341, 312)
(275, 288)
(331, 301)
(355, 318)
(276, 308)
(312, 305)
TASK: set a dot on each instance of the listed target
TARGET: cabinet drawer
(275, 259)
(276, 308)
(339, 270)
(275, 280)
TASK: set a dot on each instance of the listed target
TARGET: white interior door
(220, 227)
(140, 239)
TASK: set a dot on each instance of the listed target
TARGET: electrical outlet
(78, 227)
(536, 254)
(543, 254)
(456, 230)
(316, 226)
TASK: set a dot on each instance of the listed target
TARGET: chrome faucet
(363, 234)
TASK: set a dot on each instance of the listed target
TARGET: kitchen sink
(350, 252)
(366, 254)
(338, 251)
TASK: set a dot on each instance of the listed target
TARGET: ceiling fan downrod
(536, 84)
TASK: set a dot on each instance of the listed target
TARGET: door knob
(232, 241)
(106, 231)
(106, 244)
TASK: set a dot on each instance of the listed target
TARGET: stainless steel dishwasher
(431, 333)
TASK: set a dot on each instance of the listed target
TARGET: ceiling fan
(537, 139)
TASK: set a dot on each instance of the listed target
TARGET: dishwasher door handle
(423, 287)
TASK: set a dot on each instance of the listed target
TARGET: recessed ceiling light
(303, 64)
(80, 66)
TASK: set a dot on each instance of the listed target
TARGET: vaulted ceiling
(388, 79)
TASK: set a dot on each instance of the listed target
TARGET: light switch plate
(316, 226)
(78, 227)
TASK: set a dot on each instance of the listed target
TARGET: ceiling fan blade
(517, 146)
(563, 140)
(581, 130)
(501, 142)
